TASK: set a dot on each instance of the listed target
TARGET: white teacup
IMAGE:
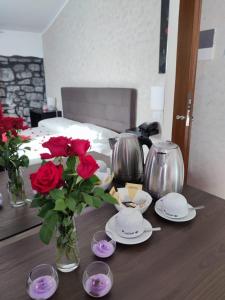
(130, 223)
(174, 205)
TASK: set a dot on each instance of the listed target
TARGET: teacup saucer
(191, 213)
(110, 227)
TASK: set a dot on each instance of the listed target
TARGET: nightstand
(37, 114)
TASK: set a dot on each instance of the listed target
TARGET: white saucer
(110, 227)
(191, 215)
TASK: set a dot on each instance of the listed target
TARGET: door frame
(186, 65)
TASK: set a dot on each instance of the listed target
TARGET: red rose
(87, 166)
(58, 146)
(47, 178)
(4, 138)
(12, 124)
(79, 147)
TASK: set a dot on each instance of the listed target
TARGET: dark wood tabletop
(16, 220)
(182, 262)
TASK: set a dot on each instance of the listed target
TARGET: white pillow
(102, 133)
(57, 124)
(81, 131)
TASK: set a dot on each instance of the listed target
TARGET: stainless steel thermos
(164, 169)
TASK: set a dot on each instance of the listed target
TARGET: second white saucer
(110, 227)
(191, 213)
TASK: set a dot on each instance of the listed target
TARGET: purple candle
(98, 285)
(42, 287)
(103, 248)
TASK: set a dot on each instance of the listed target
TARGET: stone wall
(22, 85)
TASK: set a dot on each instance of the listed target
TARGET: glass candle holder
(42, 282)
(97, 279)
(102, 245)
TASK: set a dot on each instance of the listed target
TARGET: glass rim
(103, 232)
(100, 263)
(39, 266)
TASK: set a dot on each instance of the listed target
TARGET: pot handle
(145, 141)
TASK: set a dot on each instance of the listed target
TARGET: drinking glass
(102, 245)
(42, 282)
(97, 279)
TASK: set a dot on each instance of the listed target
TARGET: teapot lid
(127, 135)
(165, 146)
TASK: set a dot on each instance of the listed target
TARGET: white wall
(20, 43)
(207, 151)
(105, 43)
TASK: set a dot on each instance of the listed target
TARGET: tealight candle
(42, 282)
(42, 287)
(102, 245)
(98, 285)
(97, 279)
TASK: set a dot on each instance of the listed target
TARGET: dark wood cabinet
(37, 115)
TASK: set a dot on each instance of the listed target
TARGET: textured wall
(105, 43)
(207, 153)
(22, 84)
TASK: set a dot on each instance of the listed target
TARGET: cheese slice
(132, 189)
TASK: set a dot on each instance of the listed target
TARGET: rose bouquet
(10, 158)
(65, 188)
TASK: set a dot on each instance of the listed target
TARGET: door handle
(178, 117)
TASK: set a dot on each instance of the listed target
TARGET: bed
(96, 114)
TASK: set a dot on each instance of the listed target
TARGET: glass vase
(16, 189)
(67, 252)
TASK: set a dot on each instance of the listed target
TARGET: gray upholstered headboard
(113, 108)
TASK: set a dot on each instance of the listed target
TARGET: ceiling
(29, 15)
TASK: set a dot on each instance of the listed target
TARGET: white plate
(191, 215)
(110, 227)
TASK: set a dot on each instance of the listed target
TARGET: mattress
(98, 136)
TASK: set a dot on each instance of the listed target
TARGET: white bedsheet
(38, 135)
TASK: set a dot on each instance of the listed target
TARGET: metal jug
(164, 169)
(127, 157)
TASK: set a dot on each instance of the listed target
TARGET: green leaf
(24, 161)
(27, 148)
(71, 162)
(2, 162)
(56, 194)
(79, 179)
(45, 208)
(48, 227)
(108, 198)
(71, 203)
(97, 202)
(94, 180)
(60, 204)
(80, 207)
(88, 199)
(86, 186)
(98, 191)
(38, 201)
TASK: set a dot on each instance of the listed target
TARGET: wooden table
(182, 262)
(16, 220)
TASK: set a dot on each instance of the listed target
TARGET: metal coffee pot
(164, 169)
(127, 157)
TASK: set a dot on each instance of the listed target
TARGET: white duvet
(98, 136)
